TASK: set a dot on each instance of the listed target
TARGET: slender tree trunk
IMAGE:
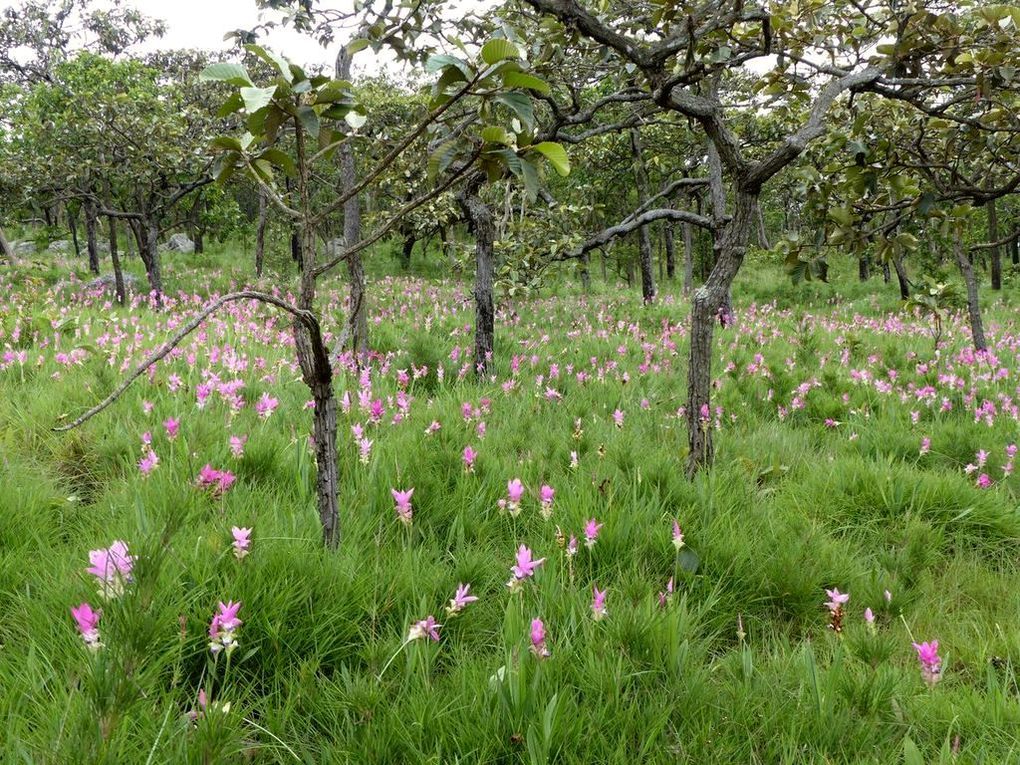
(316, 371)
(5, 247)
(863, 268)
(901, 276)
(763, 236)
(406, 250)
(670, 251)
(118, 275)
(993, 236)
(260, 233)
(644, 237)
(352, 229)
(688, 259)
(482, 225)
(153, 267)
(585, 271)
(708, 301)
(1014, 247)
(90, 233)
(886, 275)
(977, 330)
(72, 223)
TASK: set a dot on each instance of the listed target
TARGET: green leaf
(529, 174)
(281, 159)
(333, 91)
(233, 104)
(232, 74)
(273, 59)
(355, 119)
(443, 60)
(911, 754)
(556, 155)
(523, 80)
(227, 142)
(309, 120)
(519, 104)
(355, 45)
(496, 134)
(441, 158)
(688, 560)
(224, 166)
(257, 98)
(498, 50)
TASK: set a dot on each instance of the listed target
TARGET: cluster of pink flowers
(524, 568)
(112, 568)
(218, 481)
(223, 628)
(402, 503)
(835, 605)
(242, 541)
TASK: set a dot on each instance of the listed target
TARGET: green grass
(321, 674)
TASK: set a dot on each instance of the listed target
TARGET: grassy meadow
(850, 455)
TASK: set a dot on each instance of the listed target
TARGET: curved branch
(305, 317)
(605, 236)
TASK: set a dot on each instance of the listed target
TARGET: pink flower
(148, 462)
(112, 568)
(172, 427)
(888, 596)
(223, 626)
(402, 499)
(237, 445)
(572, 546)
(591, 532)
(460, 600)
(265, 406)
(216, 480)
(678, 536)
(618, 418)
(432, 428)
(538, 645)
(514, 492)
(469, 459)
(573, 460)
(869, 616)
(931, 662)
(545, 496)
(664, 597)
(242, 541)
(984, 481)
(427, 627)
(87, 621)
(836, 599)
(524, 568)
(598, 603)
(925, 445)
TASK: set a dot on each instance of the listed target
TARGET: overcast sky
(202, 24)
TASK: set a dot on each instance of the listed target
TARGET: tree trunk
(688, 259)
(352, 230)
(886, 276)
(1014, 247)
(763, 236)
(481, 223)
(5, 247)
(72, 223)
(708, 300)
(863, 268)
(147, 233)
(90, 233)
(260, 233)
(406, 250)
(670, 251)
(585, 271)
(993, 236)
(644, 237)
(977, 330)
(118, 275)
(901, 276)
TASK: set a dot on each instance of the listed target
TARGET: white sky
(202, 24)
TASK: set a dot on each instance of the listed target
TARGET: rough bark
(5, 247)
(901, 276)
(72, 224)
(260, 233)
(670, 246)
(977, 330)
(482, 225)
(358, 319)
(644, 237)
(864, 268)
(118, 275)
(886, 276)
(406, 249)
(313, 358)
(708, 301)
(688, 259)
(993, 236)
(90, 234)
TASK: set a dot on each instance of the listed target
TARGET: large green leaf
(232, 74)
(498, 50)
(520, 105)
(496, 134)
(273, 59)
(556, 155)
(257, 98)
(513, 79)
(442, 157)
(443, 60)
(281, 159)
(309, 120)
